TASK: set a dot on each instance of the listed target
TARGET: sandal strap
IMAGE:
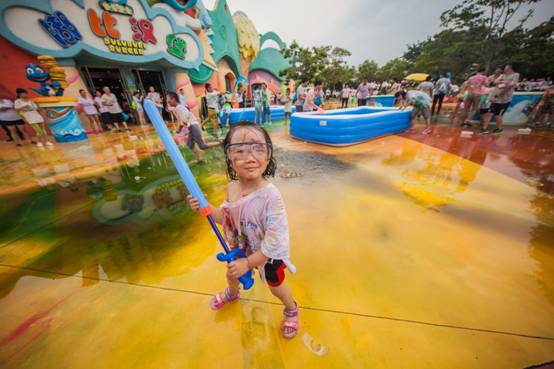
(291, 313)
(229, 296)
(290, 324)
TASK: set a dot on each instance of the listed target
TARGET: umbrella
(418, 77)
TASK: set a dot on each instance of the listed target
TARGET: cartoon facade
(133, 44)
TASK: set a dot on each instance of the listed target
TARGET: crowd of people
(489, 96)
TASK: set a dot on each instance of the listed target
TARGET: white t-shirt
(300, 95)
(29, 110)
(184, 115)
(110, 102)
(211, 100)
(9, 115)
(88, 105)
(98, 101)
(154, 96)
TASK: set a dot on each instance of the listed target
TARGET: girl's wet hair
(271, 165)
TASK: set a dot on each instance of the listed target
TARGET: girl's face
(248, 153)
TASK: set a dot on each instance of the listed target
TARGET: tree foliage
(475, 32)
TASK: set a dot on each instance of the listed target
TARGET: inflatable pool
(348, 126)
(248, 114)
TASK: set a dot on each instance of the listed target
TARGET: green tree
(367, 70)
(396, 69)
(489, 19)
(337, 70)
(306, 62)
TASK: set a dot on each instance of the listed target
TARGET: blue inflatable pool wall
(248, 114)
(348, 126)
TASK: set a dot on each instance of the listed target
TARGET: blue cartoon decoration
(178, 5)
(61, 29)
(36, 73)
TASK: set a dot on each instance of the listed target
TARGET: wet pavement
(412, 251)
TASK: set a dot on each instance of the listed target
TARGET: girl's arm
(217, 213)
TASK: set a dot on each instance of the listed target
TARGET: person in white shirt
(90, 110)
(301, 95)
(11, 122)
(185, 118)
(30, 112)
(110, 102)
(105, 116)
(137, 106)
(212, 98)
(154, 95)
(344, 94)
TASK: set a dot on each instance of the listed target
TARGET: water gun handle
(246, 280)
(190, 182)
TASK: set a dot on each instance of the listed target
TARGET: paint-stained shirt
(258, 221)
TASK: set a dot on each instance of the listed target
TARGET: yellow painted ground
(407, 257)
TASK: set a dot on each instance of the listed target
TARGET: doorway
(97, 78)
(146, 78)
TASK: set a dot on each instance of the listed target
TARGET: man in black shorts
(504, 87)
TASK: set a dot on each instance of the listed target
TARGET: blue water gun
(192, 186)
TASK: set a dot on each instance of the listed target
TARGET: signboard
(128, 31)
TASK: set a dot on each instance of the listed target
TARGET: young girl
(226, 110)
(137, 106)
(253, 217)
(286, 100)
(30, 112)
(258, 105)
(90, 110)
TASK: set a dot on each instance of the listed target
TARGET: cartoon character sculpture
(47, 71)
(36, 74)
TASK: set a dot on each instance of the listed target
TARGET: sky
(369, 29)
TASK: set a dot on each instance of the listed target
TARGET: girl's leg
(486, 120)
(283, 293)
(142, 119)
(13, 134)
(96, 124)
(8, 132)
(125, 125)
(41, 133)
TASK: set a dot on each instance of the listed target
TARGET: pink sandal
(218, 302)
(287, 325)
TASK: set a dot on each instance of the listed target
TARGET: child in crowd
(226, 110)
(90, 110)
(485, 109)
(266, 98)
(137, 107)
(254, 219)
(286, 100)
(186, 119)
(212, 102)
(258, 105)
(30, 112)
(116, 113)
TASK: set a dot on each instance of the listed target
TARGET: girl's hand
(193, 202)
(238, 267)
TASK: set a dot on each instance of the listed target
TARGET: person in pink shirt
(472, 99)
(254, 219)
